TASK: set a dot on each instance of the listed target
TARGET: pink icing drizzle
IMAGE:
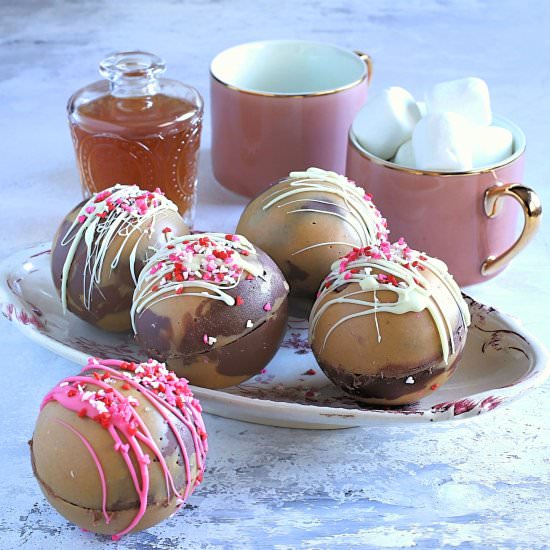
(100, 471)
(116, 413)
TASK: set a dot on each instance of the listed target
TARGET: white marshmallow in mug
(405, 155)
(443, 142)
(422, 108)
(491, 145)
(468, 97)
(386, 121)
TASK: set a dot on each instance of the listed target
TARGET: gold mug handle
(367, 59)
(532, 210)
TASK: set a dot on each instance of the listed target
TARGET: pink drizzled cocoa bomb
(119, 447)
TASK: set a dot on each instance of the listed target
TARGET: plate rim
(18, 312)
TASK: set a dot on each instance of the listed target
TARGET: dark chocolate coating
(173, 330)
(237, 361)
(375, 389)
(111, 299)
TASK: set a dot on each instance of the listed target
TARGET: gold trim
(367, 75)
(516, 131)
(367, 60)
(532, 210)
(269, 94)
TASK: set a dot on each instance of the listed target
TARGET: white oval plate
(501, 361)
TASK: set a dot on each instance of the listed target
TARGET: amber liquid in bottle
(147, 139)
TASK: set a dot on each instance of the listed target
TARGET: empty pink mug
(282, 105)
(464, 218)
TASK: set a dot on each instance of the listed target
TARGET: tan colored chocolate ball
(389, 343)
(309, 220)
(75, 446)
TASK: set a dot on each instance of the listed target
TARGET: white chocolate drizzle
(401, 272)
(211, 262)
(120, 211)
(362, 215)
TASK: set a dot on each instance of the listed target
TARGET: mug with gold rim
(460, 217)
(282, 105)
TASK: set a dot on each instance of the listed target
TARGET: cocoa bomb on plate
(101, 246)
(119, 447)
(213, 307)
(307, 221)
(389, 324)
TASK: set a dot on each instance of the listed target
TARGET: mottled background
(482, 484)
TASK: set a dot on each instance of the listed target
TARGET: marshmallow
(443, 142)
(491, 145)
(386, 121)
(468, 97)
(405, 155)
(422, 108)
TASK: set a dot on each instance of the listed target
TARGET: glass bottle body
(136, 128)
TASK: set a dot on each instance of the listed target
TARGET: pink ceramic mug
(282, 105)
(459, 217)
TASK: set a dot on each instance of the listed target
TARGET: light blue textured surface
(482, 484)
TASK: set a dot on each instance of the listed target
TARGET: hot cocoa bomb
(307, 221)
(101, 246)
(389, 324)
(119, 447)
(213, 307)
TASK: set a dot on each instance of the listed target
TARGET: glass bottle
(136, 128)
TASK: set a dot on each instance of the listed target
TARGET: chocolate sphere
(389, 324)
(101, 246)
(213, 307)
(309, 220)
(119, 447)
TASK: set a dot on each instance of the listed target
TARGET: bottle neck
(133, 74)
(134, 86)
